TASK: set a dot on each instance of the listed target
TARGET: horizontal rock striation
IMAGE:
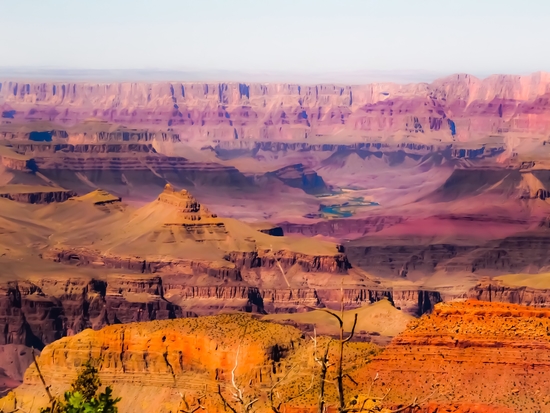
(336, 264)
(473, 352)
(236, 262)
(458, 107)
(495, 291)
(89, 148)
(151, 364)
(403, 255)
(341, 227)
(474, 150)
(71, 135)
(116, 164)
(36, 314)
(38, 197)
(40, 312)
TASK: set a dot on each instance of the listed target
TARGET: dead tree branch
(53, 400)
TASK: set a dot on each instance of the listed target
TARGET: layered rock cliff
(177, 235)
(341, 228)
(150, 364)
(36, 313)
(473, 353)
(35, 195)
(409, 254)
(468, 357)
(458, 107)
(497, 291)
(122, 157)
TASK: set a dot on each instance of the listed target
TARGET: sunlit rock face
(455, 108)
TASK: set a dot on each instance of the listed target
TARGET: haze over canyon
(139, 221)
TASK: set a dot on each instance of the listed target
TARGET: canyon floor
(131, 203)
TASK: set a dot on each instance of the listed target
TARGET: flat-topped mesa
(189, 208)
(86, 133)
(98, 197)
(30, 194)
(46, 149)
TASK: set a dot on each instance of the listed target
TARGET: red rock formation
(495, 291)
(491, 354)
(458, 107)
(149, 364)
(469, 357)
(33, 318)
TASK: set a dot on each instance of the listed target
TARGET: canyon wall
(37, 313)
(458, 107)
(495, 291)
(467, 357)
(38, 197)
(475, 353)
(151, 364)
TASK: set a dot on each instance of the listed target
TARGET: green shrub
(83, 396)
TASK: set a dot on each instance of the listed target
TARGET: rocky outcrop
(472, 352)
(15, 161)
(458, 107)
(236, 262)
(14, 360)
(189, 210)
(463, 358)
(340, 228)
(40, 312)
(75, 135)
(38, 197)
(495, 291)
(36, 149)
(336, 264)
(165, 230)
(415, 302)
(119, 164)
(150, 364)
(97, 259)
(400, 255)
(302, 177)
(406, 257)
(36, 314)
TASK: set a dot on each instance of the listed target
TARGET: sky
(327, 38)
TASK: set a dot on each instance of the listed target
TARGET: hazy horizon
(350, 41)
(158, 75)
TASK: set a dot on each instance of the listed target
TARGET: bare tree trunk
(53, 401)
(324, 368)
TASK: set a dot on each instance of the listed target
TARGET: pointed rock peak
(188, 207)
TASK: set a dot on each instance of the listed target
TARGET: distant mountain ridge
(457, 108)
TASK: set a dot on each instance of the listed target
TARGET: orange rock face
(463, 354)
(466, 357)
(149, 364)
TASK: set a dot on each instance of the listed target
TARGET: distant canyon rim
(130, 202)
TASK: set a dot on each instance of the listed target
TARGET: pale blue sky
(292, 36)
